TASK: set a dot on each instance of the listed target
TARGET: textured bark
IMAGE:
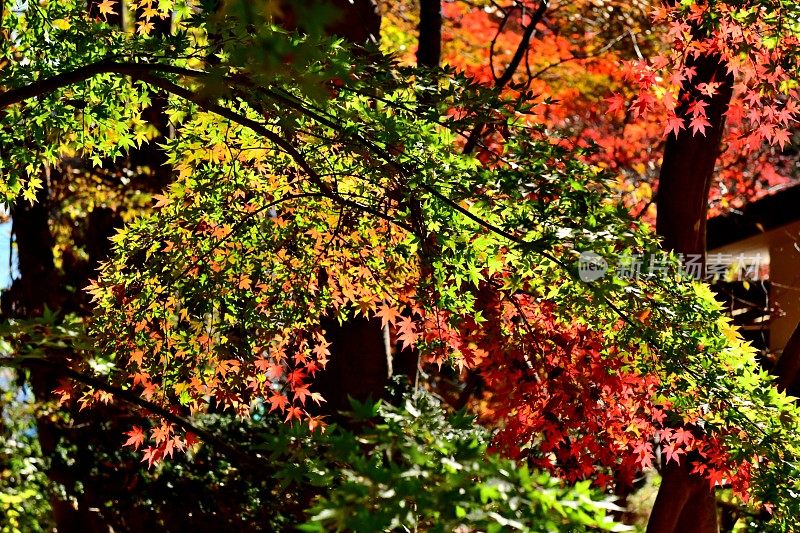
(359, 365)
(688, 167)
(685, 504)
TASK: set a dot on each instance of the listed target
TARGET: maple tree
(315, 183)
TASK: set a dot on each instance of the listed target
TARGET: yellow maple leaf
(106, 8)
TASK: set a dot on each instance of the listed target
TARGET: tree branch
(511, 69)
(143, 72)
(134, 399)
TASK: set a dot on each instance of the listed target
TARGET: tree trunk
(356, 21)
(684, 503)
(787, 369)
(39, 287)
(362, 359)
(429, 47)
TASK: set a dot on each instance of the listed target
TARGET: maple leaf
(296, 377)
(141, 377)
(106, 8)
(293, 413)
(148, 391)
(672, 453)
(313, 366)
(317, 397)
(615, 103)
(161, 200)
(151, 455)
(644, 452)
(144, 27)
(642, 104)
(136, 437)
(780, 136)
(302, 393)
(262, 364)
(674, 124)
(137, 356)
(715, 477)
(161, 433)
(406, 332)
(315, 422)
(682, 436)
(278, 401)
(321, 349)
(709, 89)
(168, 447)
(677, 78)
(388, 314)
(65, 392)
(274, 371)
(104, 397)
(697, 108)
(699, 125)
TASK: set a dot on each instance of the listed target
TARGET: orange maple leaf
(136, 437)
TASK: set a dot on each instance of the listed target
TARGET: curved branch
(143, 72)
(511, 69)
(134, 399)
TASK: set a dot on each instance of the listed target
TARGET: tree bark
(685, 504)
(787, 369)
(39, 287)
(356, 21)
(429, 47)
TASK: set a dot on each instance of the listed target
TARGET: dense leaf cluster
(326, 190)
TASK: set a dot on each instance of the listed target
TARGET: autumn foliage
(314, 182)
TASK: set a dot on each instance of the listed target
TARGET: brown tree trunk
(787, 369)
(362, 357)
(39, 287)
(684, 503)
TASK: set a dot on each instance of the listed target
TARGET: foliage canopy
(312, 181)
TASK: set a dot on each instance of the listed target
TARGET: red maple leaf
(672, 453)
(616, 103)
(697, 108)
(709, 89)
(715, 477)
(278, 401)
(136, 437)
(152, 455)
(674, 124)
(699, 125)
(682, 436)
(293, 413)
(302, 393)
(780, 136)
(296, 377)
